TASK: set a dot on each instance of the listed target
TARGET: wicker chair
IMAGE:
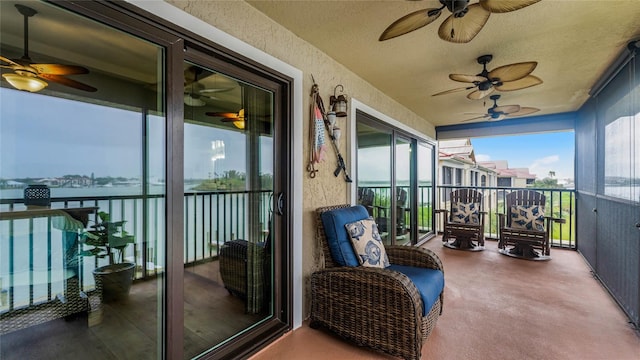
(234, 263)
(463, 221)
(525, 227)
(374, 307)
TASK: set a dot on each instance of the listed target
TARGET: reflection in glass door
(395, 182)
(403, 191)
(228, 179)
(82, 192)
(425, 189)
(374, 175)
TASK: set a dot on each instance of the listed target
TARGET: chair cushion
(430, 283)
(338, 239)
(465, 213)
(367, 243)
(527, 217)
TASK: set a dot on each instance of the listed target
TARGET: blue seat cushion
(334, 222)
(430, 283)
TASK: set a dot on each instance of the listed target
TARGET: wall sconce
(335, 131)
(338, 103)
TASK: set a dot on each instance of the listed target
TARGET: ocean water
(32, 251)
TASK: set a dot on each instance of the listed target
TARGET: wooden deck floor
(130, 329)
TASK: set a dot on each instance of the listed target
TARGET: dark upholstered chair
(241, 259)
(383, 219)
(366, 197)
(392, 309)
(463, 221)
(525, 226)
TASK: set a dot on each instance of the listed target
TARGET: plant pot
(114, 281)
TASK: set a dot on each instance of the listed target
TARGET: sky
(43, 136)
(541, 153)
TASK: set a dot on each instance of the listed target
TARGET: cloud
(541, 167)
(483, 157)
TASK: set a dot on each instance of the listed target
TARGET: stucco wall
(247, 24)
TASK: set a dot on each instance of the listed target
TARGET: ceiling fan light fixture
(24, 82)
(239, 124)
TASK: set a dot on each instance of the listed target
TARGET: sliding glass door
(228, 177)
(82, 189)
(395, 180)
(137, 156)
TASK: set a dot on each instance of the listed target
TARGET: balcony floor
(497, 307)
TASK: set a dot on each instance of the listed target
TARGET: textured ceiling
(573, 41)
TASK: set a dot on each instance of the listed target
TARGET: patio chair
(525, 226)
(366, 198)
(390, 309)
(401, 208)
(237, 266)
(463, 221)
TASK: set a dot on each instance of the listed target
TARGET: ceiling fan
(496, 113)
(195, 93)
(464, 23)
(236, 118)
(504, 78)
(28, 76)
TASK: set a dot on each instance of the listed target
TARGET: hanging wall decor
(317, 135)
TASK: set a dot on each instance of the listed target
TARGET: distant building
(457, 166)
(516, 177)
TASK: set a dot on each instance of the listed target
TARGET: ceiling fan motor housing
(457, 7)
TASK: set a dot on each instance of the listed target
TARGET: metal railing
(35, 246)
(382, 200)
(560, 203)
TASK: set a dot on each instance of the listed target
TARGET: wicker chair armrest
(438, 211)
(555, 219)
(367, 286)
(413, 256)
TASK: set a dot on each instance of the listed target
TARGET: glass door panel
(425, 189)
(374, 175)
(403, 191)
(82, 190)
(228, 179)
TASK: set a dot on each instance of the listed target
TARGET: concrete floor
(497, 307)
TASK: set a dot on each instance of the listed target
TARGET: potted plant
(108, 240)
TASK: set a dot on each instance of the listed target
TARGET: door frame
(167, 26)
(403, 131)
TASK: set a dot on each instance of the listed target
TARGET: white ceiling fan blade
(206, 91)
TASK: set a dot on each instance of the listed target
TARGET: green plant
(107, 239)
